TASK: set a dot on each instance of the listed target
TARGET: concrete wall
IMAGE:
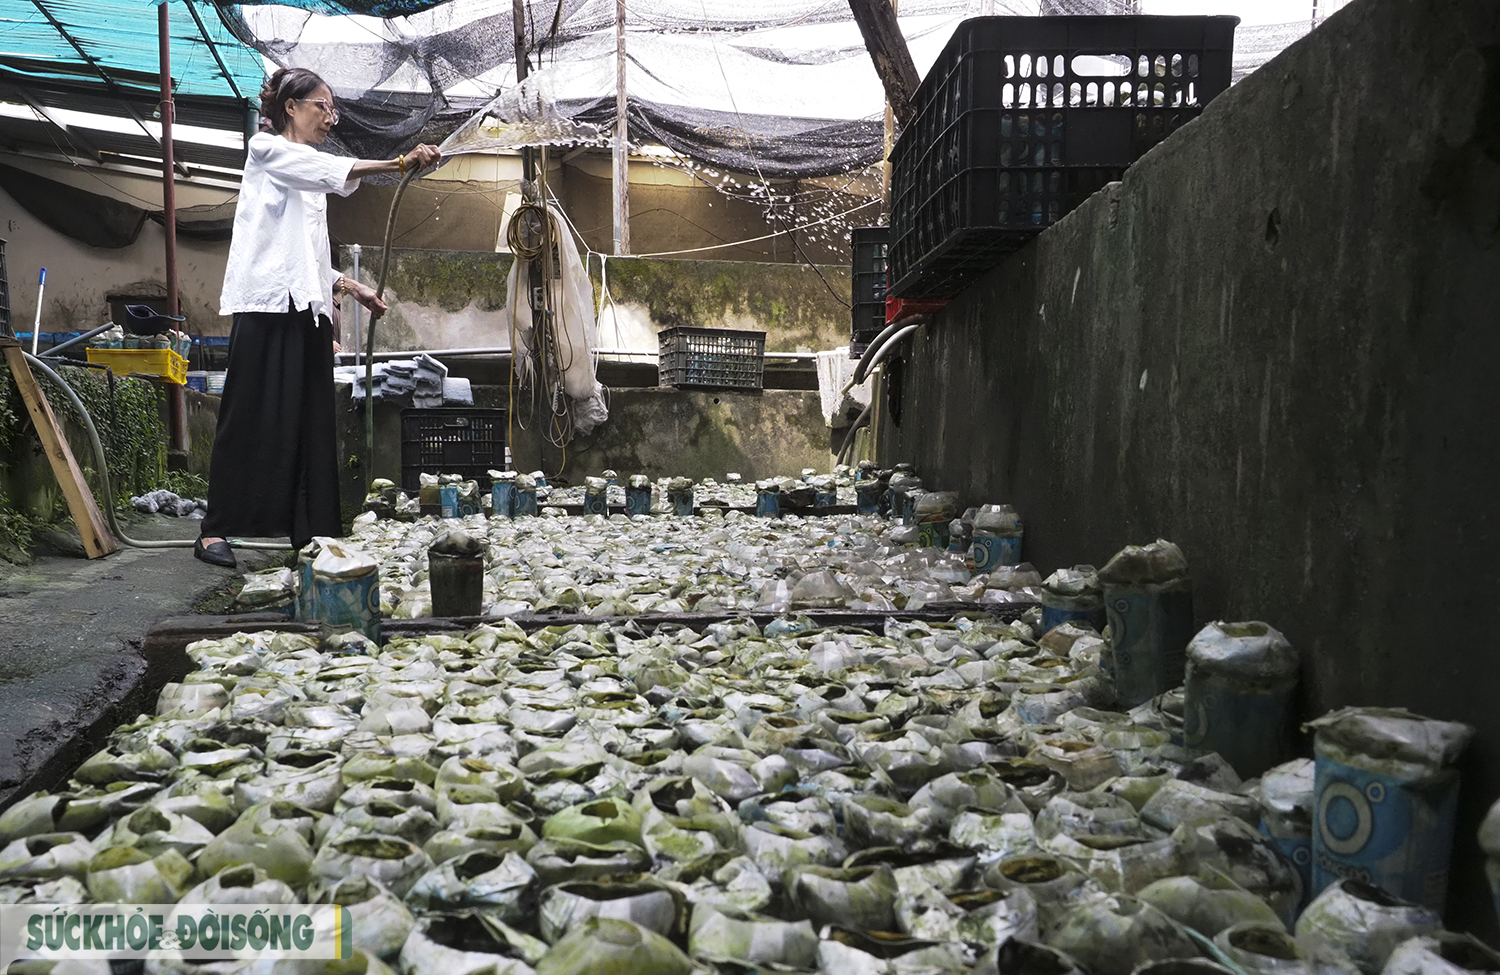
(80, 278)
(692, 433)
(456, 299)
(1274, 343)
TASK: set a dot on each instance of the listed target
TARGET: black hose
(865, 363)
(859, 421)
(385, 265)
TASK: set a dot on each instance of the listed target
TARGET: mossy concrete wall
(794, 304)
(457, 299)
(1274, 343)
(696, 433)
(438, 299)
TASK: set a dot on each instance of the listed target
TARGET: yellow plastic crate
(161, 363)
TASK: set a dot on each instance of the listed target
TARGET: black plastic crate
(869, 246)
(1022, 118)
(718, 358)
(465, 441)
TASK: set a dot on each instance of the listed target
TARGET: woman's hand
(422, 157)
(365, 295)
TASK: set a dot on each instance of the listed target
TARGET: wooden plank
(9, 342)
(97, 541)
(887, 47)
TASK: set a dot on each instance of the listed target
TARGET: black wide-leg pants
(274, 472)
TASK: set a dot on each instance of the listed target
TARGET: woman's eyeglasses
(325, 105)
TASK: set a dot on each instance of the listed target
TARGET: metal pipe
(52, 352)
(357, 306)
(176, 398)
(622, 140)
(36, 329)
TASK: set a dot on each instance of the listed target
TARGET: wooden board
(97, 541)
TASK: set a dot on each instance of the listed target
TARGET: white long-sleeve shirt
(280, 242)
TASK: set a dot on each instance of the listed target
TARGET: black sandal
(219, 553)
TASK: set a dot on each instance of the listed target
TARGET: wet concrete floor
(70, 638)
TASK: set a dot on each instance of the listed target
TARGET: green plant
(130, 428)
(184, 484)
(129, 424)
(16, 529)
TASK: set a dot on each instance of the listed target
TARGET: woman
(274, 472)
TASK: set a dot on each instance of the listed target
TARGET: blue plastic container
(503, 499)
(307, 594)
(1238, 698)
(350, 604)
(1287, 796)
(681, 501)
(456, 504)
(768, 504)
(990, 551)
(867, 497)
(638, 500)
(1387, 795)
(524, 501)
(595, 503)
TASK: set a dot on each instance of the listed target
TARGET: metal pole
(622, 139)
(36, 329)
(518, 21)
(177, 401)
(357, 344)
(890, 145)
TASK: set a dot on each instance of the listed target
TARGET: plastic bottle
(932, 512)
(901, 483)
(1489, 841)
(825, 492)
